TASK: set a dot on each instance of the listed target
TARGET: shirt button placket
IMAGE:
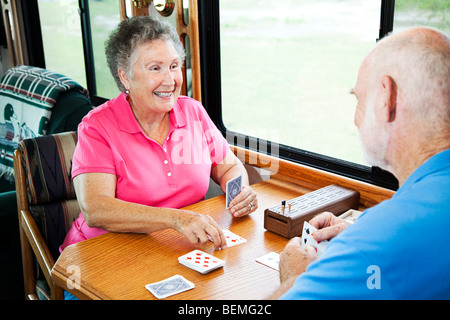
(168, 169)
(166, 162)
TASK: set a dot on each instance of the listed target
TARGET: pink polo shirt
(173, 175)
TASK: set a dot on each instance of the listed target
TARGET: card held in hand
(234, 187)
(201, 261)
(308, 239)
(169, 286)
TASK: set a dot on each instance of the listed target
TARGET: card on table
(308, 239)
(201, 261)
(234, 187)
(272, 260)
(232, 238)
(169, 286)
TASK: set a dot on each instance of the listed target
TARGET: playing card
(232, 238)
(201, 261)
(234, 187)
(271, 260)
(308, 239)
(169, 286)
(350, 215)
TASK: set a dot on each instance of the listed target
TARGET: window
(433, 13)
(66, 51)
(288, 66)
(61, 38)
(285, 72)
(271, 70)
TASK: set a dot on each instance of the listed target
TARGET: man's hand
(328, 226)
(293, 262)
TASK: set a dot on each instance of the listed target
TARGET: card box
(289, 224)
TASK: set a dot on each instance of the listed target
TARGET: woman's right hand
(199, 228)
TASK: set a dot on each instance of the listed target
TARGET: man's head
(403, 92)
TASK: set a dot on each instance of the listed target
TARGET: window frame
(32, 33)
(209, 22)
(89, 52)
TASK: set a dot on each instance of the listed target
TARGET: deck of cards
(308, 239)
(234, 187)
(201, 261)
(169, 286)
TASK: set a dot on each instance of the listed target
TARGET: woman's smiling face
(156, 76)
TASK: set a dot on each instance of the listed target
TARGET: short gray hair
(421, 70)
(130, 34)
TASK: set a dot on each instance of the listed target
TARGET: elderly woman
(148, 152)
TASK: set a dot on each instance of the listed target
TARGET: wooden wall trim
(311, 178)
(14, 38)
(135, 11)
(192, 31)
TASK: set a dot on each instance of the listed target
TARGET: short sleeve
(93, 151)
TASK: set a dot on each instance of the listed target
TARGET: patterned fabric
(42, 290)
(27, 96)
(47, 162)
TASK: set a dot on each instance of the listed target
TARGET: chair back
(47, 202)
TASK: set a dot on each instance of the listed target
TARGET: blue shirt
(399, 249)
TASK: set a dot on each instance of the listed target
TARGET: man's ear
(124, 78)
(388, 98)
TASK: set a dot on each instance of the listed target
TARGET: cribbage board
(288, 221)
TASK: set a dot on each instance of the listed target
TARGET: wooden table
(118, 266)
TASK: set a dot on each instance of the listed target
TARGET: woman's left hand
(244, 203)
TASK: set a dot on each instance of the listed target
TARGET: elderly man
(398, 249)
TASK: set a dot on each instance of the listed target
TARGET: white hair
(420, 68)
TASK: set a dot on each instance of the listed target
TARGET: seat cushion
(68, 111)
